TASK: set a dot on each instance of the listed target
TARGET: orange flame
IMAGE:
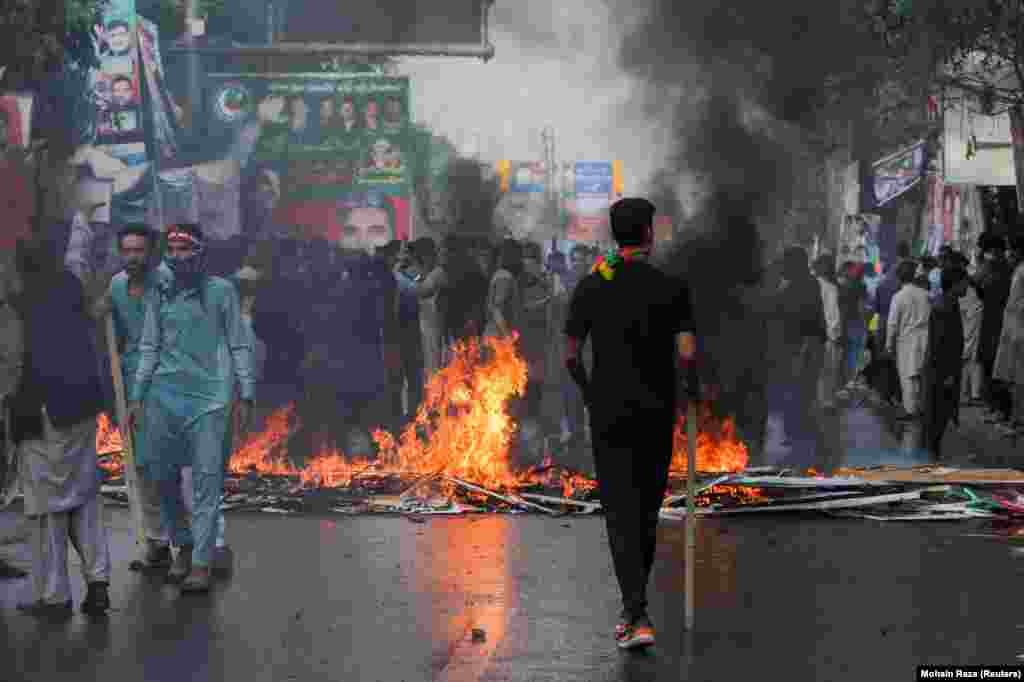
(462, 429)
(718, 448)
(108, 438)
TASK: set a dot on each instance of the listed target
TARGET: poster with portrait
(15, 119)
(17, 200)
(321, 141)
(116, 89)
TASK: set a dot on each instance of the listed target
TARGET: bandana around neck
(610, 263)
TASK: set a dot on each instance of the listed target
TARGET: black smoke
(745, 86)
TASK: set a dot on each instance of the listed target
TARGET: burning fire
(462, 430)
(464, 419)
(718, 448)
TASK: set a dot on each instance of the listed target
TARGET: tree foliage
(38, 36)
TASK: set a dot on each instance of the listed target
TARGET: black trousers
(632, 475)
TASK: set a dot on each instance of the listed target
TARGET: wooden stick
(515, 501)
(588, 507)
(691, 507)
(130, 477)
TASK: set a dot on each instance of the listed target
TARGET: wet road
(385, 599)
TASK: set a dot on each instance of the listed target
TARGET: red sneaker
(634, 636)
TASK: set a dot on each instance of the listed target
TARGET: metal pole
(691, 508)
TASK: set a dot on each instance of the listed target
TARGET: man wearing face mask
(193, 350)
(125, 298)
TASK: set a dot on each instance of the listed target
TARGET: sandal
(197, 582)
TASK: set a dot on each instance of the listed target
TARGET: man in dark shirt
(639, 322)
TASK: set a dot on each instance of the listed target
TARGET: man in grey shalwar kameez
(54, 414)
(1009, 365)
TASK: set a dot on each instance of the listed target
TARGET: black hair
(137, 230)
(951, 276)
(903, 250)
(991, 242)
(510, 257)
(532, 250)
(1016, 243)
(119, 23)
(794, 262)
(631, 219)
(122, 77)
(825, 267)
(906, 271)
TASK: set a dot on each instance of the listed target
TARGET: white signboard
(992, 161)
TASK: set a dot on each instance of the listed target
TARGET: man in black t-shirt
(639, 322)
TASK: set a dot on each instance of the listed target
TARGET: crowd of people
(930, 334)
(201, 328)
(372, 329)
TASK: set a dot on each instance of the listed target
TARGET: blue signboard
(593, 177)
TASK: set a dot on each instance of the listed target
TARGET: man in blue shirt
(193, 350)
(125, 298)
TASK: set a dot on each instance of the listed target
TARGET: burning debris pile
(454, 457)
(927, 493)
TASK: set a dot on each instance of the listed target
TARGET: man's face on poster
(119, 39)
(366, 229)
(326, 111)
(348, 110)
(122, 92)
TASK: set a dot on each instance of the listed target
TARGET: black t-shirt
(632, 321)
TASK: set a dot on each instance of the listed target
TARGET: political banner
(329, 151)
(897, 173)
(588, 219)
(16, 195)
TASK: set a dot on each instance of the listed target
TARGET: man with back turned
(639, 321)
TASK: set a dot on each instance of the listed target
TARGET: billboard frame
(485, 50)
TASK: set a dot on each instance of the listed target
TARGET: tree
(973, 46)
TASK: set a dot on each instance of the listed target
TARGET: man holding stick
(193, 349)
(125, 299)
(640, 321)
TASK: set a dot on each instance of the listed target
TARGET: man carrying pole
(123, 309)
(193, 352)
(640, 321)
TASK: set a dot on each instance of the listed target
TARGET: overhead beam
(484, 52)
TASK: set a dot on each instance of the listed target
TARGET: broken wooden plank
(508, 499)
(845, 503)
(588, 507)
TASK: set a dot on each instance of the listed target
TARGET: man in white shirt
(907, 335)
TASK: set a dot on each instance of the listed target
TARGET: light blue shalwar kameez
(194, 347)
(129, 316)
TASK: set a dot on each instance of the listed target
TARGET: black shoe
(41, 609)
(158, 558)
(8, 572)
(97, 599)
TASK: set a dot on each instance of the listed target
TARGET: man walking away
(945, 351)
(639, 321)
(994, 278)
(907, 335)
(54, 423)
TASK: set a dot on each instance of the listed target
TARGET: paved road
(385, 599)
